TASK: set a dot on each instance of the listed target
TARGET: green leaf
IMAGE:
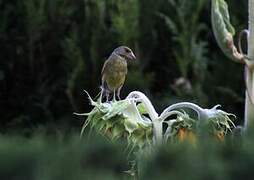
(130, 125)
(142, 109)
(116, 108)
(223, 30)
(117, 132)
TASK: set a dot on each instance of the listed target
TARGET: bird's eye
(127, 51)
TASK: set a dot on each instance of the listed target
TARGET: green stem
(157, 131)
(249, 107)
(200, 111)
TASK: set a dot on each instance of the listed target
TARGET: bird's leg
(118, 92)
(114, 95)
(107, 96)
(101, 95)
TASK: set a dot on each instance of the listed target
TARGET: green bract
(120, 119)
(135, 118)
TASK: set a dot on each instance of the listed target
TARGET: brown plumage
(115, 70)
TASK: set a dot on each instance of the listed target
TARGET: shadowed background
(51, 50)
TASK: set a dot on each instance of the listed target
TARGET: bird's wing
(104, 69)
(105, 65)
(108, 63)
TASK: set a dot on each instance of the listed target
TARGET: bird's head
(125, 53)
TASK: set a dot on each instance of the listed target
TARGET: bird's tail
(104, 90)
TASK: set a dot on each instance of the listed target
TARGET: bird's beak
(131, 56)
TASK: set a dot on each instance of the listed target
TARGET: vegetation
(49, 158)
(51, 50)
(136, 120)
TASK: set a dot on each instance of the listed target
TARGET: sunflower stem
(157, 131)
(249, 106)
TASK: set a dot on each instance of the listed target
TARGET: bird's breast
(115, 80)
(120, 66)
(116, 75)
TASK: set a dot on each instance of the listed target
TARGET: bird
(114, 71)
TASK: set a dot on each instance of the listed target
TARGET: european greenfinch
(115, 70)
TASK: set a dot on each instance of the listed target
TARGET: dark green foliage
(51, 158)
(55, 158)
(52, 50)
(190, 50)
(209, 161)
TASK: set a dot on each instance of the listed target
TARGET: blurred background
(50, 51)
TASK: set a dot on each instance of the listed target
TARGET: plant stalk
(249, 107)
(157, 131)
